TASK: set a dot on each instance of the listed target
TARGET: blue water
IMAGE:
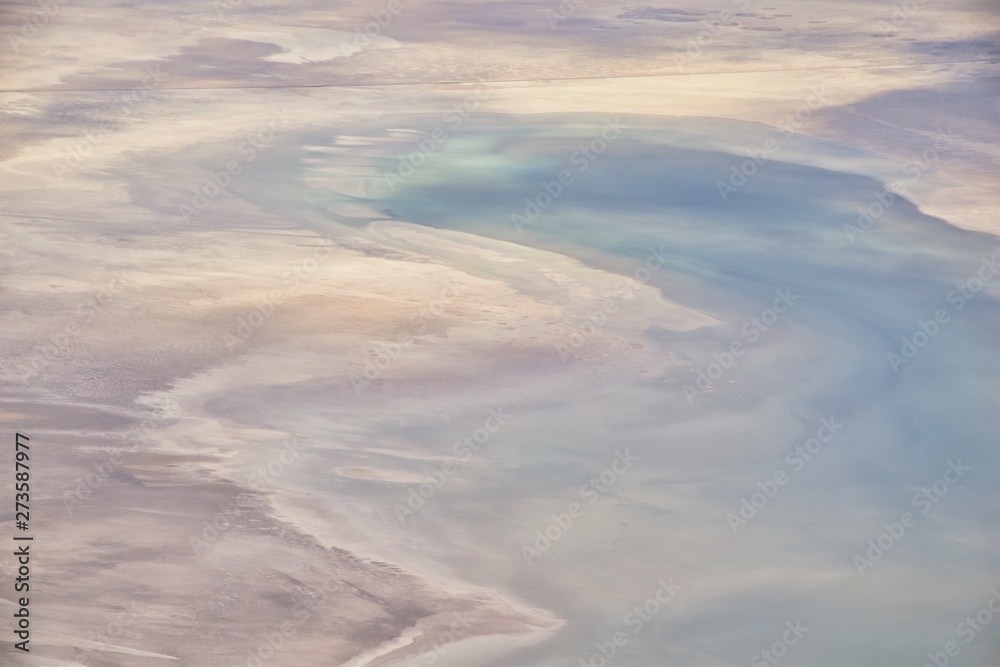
(826, 357)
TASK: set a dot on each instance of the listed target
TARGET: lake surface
(813, 315)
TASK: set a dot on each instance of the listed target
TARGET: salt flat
(314, 383)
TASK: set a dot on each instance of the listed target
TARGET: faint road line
(451, 82)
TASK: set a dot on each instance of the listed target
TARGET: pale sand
(55, 639)
(380, 475)
(405, 652)
(357, 298)
(508, 622)
(559, 278)
(477, 650)
(436, 49)
(351, 296)
(413, 456)
(303, 45)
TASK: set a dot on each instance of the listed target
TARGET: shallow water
(697, 453)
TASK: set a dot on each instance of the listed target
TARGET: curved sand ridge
(343, 306)
(603, 314)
